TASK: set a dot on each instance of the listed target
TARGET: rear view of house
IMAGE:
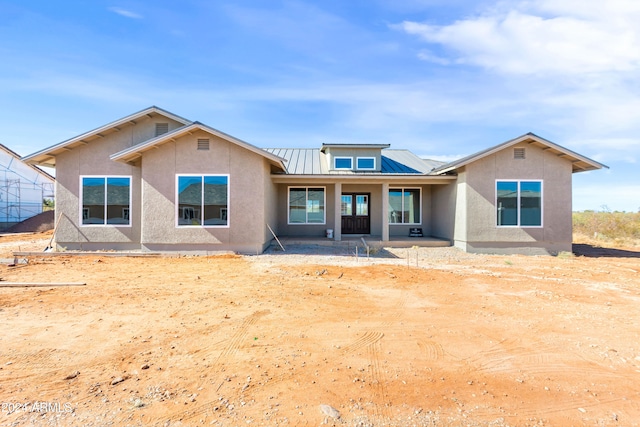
(155, 181)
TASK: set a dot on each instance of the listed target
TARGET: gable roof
(579, 162)
(133, 153)
(46, 157)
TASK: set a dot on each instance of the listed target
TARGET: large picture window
(519, 203)
(203, 200)
(306, 205)
(106, 200)
(404, 206)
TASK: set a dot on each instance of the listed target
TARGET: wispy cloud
(126, 13)
(542, 37)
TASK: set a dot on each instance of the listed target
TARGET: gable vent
(518, 153)
(203, 144)
(162, 128)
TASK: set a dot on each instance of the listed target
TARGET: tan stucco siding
(270, 204)
(375, 210)
(402, 230)
(353, 153)
(306, 230)
(92, 158)
(443, 210)
(247, 172)
(461, 208)
(480, 186)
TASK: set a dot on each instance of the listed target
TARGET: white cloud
(543, 37)
(126, 13)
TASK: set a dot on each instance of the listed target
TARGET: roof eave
(46, 157)
(573, 156)
(380, 178)
(130, 154)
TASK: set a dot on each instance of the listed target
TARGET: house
(23, 189)
(155, 181)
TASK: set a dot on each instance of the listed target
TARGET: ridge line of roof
(109, 125)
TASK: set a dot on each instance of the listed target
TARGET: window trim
(366, 158)
(402, 189)
(336, 158)
(518, 225)
(82, 209)
(307, 187)
(177, 203)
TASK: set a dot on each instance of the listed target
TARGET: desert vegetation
(607, 228)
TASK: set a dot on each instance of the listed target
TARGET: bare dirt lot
(410, 337)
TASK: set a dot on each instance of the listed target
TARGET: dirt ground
(408, 337)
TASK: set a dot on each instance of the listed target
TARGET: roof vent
(203, 144)
(518, 153)
(162, 128)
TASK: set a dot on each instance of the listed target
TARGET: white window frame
(307, 187)
(518, 181)
(177, 204)
(402, 189)
(335, 167)
(85, 211)
(366, 158)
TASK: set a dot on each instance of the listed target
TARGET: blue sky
(443, 78)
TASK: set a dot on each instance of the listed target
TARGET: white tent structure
(23, 188)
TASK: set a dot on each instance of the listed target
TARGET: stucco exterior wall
(443, 210)
(270, 204)
(246, 207)
(482, 234)
(304, 230)
(375, 211)
(402, 230)
(354, 153)
(92, 158)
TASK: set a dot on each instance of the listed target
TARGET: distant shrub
(618, 228)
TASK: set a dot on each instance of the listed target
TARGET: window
(162, 128)
(306, 205)
(106, 200)
(404, 206)
(203, 200)
(519, 203)
(346, 205)
(366, 163)
(203, 144)
(343, 163)
(518, 153)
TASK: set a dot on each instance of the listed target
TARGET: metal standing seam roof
(312, 161)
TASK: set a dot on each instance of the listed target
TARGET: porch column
(337, 212)
(385, 212)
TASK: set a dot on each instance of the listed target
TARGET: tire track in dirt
(232, 346)
(508, 356)
(378, 380)
(574, 404)
(367, 339)
(431, 349)
(41, 367)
